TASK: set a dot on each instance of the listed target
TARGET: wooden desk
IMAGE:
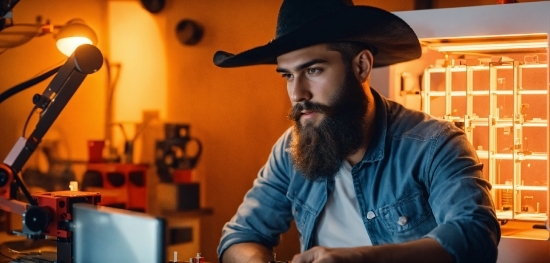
(521, 243)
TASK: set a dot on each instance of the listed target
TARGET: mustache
(296, 111)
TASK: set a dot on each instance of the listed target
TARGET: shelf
(523, 216)
(462, 93)
(471, 92)
(462, 68)
(523, 229)
(503, 122)
(500, 123)
(520, 187)
(482, 154)
(531, 188)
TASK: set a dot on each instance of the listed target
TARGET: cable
(2, 245)
(8, 257)
(27, 121)
(111, 87)
(27, 84)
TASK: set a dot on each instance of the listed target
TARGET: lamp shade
(74, 34)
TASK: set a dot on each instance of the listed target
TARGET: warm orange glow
(518, 42)
(493, 46)
(74, 34)
(69, 44)
(138, 44)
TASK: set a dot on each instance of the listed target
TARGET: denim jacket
(420, 177)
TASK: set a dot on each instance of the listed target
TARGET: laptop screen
(106, 234)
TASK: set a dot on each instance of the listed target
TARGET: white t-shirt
(340, 223)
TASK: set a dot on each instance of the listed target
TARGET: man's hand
(422, 250)
(247, 253)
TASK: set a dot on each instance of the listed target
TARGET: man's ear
(362, 65)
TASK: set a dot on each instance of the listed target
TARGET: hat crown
(295, 13)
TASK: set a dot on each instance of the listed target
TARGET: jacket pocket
(300, 215)
(408, 218)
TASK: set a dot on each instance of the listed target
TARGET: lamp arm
(85, 60)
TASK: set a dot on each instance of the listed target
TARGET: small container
(197, 259)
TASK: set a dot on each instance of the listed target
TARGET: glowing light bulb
(69, 44)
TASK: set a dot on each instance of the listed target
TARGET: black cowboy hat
(302, 23)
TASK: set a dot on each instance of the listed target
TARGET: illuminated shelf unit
(500, 100)
(482, 44)
(488, 73)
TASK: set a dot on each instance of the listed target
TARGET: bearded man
(364, 178)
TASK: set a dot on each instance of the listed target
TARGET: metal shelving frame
(494, 123)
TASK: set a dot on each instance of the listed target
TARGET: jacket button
(402, 220)
(370, 215)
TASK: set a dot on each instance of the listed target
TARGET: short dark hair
(349, 49)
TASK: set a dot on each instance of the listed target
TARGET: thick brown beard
(318, 152)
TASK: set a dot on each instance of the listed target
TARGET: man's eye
(312, 71)
(286, 76)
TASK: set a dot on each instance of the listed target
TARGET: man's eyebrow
(302, 66)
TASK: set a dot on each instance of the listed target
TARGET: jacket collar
(375, 151)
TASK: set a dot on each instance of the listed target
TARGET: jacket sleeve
(461, 199)
(265, 212)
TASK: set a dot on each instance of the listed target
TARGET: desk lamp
(74, 34)
(49, 214)
(68, 37)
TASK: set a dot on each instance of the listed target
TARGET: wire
(4, 255)
(27, 84)
(8, 257)
(27, 121)
(60, 63)
(111, 87)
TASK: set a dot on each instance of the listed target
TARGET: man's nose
(299, 90)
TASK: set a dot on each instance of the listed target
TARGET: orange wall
(137, 43)
(237, 113)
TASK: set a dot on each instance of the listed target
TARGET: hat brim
(393, 39)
